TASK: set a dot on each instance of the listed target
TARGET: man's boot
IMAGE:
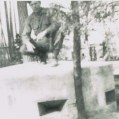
(52, 59)
(27, 58)
(55, 58)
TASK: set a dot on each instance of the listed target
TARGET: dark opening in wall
(110, 96)
(50, 106)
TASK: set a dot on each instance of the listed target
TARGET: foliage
(95, 17)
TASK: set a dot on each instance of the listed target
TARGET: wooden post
(9, 30)
(11, 33)
(22, 13)
(77, 61)
(4, 52)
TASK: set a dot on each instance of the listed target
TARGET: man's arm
(26, 35)
(27, 31)
(54, 26)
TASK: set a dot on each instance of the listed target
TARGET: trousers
(45, 45)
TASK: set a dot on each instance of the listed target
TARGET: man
(48, 35)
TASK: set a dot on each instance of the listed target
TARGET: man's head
(35, 5)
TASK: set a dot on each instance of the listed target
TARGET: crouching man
(48, 36)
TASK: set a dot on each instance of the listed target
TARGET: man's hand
(29, 46)
(41, 35)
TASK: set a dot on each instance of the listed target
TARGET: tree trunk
(9, 29)
(77, 61)
(23, 14)
(87, 8)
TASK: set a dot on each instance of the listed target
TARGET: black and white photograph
(59, 59)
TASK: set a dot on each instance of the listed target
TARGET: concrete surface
(107, 115)
(98, 88)
(37, 91)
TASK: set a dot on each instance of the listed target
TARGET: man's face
(35, 5)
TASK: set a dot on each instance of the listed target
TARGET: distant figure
(18, 42)
(17, 45)
(48, 36)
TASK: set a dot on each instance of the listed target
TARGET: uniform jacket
(38, 22)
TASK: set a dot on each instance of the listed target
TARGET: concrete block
(37, 91)
(98, 87)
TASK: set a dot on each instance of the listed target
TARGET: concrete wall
(98, 87)
(37, 91)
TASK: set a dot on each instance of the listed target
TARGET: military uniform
(38, 22)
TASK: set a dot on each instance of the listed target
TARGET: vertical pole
(77, 61)
(3, 47)
(8, 29)
(11, 32)
(8, 12)
(22, 13)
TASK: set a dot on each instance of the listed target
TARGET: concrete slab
(107, 115)
(98, 87)
(30, 88)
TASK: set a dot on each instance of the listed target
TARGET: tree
(77, 61)
(8, 12)
(23, 14)
(4, 52)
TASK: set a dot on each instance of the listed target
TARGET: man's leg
(58, 41)
(41, 49)
(42, 55)
(25, 54)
